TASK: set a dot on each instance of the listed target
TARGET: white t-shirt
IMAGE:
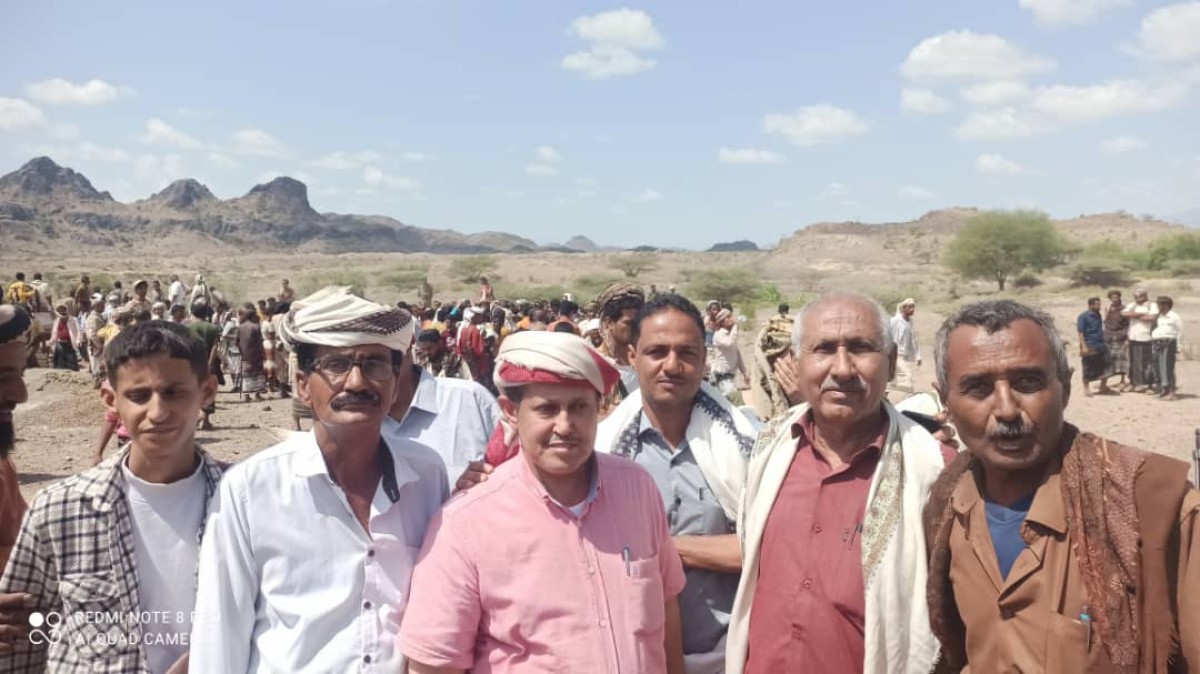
(1139, 330)
(166, 521)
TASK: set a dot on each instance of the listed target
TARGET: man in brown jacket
(1053, 550)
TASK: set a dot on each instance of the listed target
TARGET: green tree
(469, 268)
(633, 265)
(997, 245)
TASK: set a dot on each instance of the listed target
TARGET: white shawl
(897, 634)
(719, 435)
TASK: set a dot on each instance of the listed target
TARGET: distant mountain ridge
(43, 202)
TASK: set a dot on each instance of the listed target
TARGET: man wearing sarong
(696, 446)
(561, 561)
(250, 345)
(908, 351)
(309, 549)
(1092, 350)
(1141, 314)
(1116, 336)
(833, 552)
(1053, 549)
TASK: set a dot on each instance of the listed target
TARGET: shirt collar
(1047, 509)
(530, 478)
(396, 472)
(425, 397)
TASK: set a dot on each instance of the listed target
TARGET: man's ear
(508, 408)
(630, 353)
(302, 395)
(109, 397)
(208, 390)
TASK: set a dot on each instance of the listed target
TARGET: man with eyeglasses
(310, 544)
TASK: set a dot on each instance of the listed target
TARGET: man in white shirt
(908, 352)
(1166, 337)
(453, 417)
(1141, 314)
(110, 554)
(176, 293)
(311, 543)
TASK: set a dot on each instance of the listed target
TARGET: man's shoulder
(625, 472)
(459, 391)
(273, 460)
(424, 461)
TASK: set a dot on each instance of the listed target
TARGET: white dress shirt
(453, 417)
(1169, 326)
(905, 339)
(290, 581)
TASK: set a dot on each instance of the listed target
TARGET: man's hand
(14, 619)
(945, 434)
(476, 472)
(787, 371)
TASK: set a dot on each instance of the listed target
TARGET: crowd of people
(1137, 343)
(545, 486)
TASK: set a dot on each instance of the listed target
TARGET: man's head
(178, 313)
(667, 350)
(85, 279)
(158, 310)
(1004, 377)
(248, 313)
(429, 343)
(843, 346)
(567, 309)
(784, 309)
(712, 308)
(20, 276)
(590, 329)
(117, 285)
(156, 285)
(140, 288)
(174, 278)
(1114, 296)
(158, 381)
(1141, 294)
(16, 331)
(619, 305)
(551, 385)
(1164, 303)
(908, 307)
(724, 319)
(201, 311)
(61, 309)
(283, 283)
(348, 351)
(1094, 305)
(37, 276)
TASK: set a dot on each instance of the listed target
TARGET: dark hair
(538, 316)
(306, 357)
(429, 336)
(155, 338)
(567, 308)
(564, 326)
(994, 316)
(614, 309)
(1164, 299)
(1094, 299)
(666, 302)
(37, 276)
(20, 276)
(1114, 292)
(784, 308)
(201, 310)
(281, 308)
(117, 284)
(143, 316)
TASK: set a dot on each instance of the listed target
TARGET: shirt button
(370, 552)
(807, 583)
(603, 623)
(817, 529)
(367, 605)
(367, 659)
(591, 570)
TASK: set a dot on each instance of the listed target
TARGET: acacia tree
(998, 245)
(633, 265)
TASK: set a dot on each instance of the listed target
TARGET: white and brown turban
(535, 357)
(334, 317)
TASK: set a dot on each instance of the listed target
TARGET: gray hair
(881, 316)
(993, 316)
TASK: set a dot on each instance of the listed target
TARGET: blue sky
(675, 123)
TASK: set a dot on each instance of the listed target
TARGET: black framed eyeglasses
(337, 368)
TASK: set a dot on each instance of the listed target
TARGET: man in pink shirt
(561, 560)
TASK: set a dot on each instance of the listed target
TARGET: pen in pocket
(627, 556)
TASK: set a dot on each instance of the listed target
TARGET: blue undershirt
(1004, 524)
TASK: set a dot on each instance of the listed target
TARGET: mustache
(855, 385)
(1009, 431)
(348, 398)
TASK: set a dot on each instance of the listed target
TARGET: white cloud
(836, 191)
(999, 124)
(1171, 33)
(1067, 104)
(994, 164)
(540, 170)
(61, 92)
(345, 161)
(268, 176)
(923, 102)
(418, 157)
(915, 193)
(781, 203)
(996, 94)
(223, 161)
(154, 172)
(584, 180)
(17, 114)
(748, 155)
(94, 152)
(258, 143)
(964, 55)
(159, 132)
(585, 194)
(1051, 12)
(1123, 144)
(547, 154)
(193, 113)
(615, 39)
(374, 177)
(816, 124)
(648, 196)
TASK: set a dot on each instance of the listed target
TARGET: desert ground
(58, 427)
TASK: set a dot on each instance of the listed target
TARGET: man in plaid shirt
(110, 554)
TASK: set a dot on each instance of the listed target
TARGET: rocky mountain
(742, 246)
(43, 203)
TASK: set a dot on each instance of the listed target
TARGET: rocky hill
(43, 204)
(742, 246)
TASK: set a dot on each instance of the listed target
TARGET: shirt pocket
(1067, 646)
(95, 622)
(645, 614)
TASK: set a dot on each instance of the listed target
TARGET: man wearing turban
(561, 560)
(310, 544)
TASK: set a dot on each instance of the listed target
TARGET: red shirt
(809, 602)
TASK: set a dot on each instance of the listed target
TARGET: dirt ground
(59, 426)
